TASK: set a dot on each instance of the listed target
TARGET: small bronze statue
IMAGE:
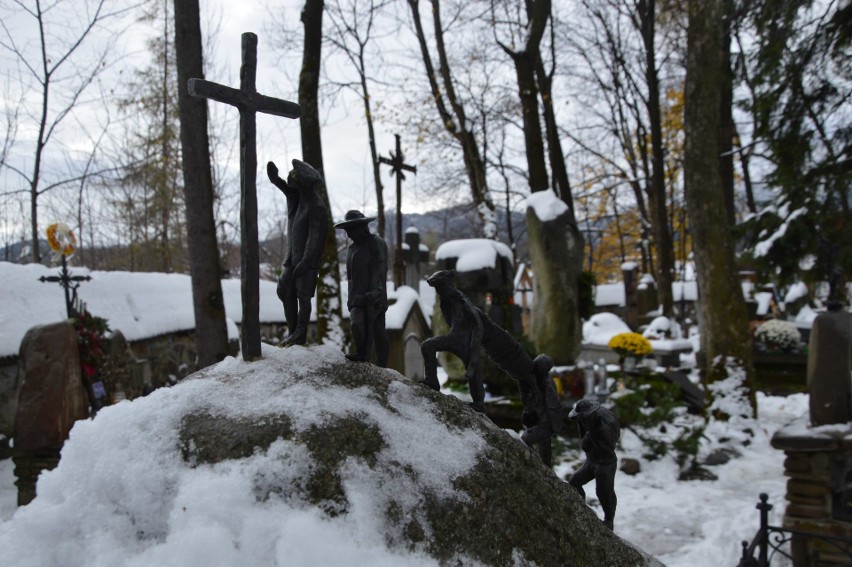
(600, 432)
(307, 225)
(464, 339)
(470, 330)
(367, 272)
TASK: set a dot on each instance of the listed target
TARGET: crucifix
(249, 102)
(69, 283)
(398, 165)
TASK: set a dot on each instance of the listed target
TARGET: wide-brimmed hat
(354, 218)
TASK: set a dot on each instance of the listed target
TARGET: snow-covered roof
(405, 299)
(473, 253)
(546, 204)
(141, 305)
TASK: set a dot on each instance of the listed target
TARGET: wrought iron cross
(249, 102)
(398, 166)
(68, 283)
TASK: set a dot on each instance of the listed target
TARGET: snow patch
(547, 205)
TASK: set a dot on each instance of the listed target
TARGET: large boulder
(303, 458)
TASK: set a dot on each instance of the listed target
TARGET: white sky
(345, 149)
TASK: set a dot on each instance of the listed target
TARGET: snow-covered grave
(143, 305)
(601, 327)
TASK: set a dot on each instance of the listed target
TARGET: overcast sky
(345, 148)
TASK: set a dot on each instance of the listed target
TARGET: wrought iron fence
(770, 541)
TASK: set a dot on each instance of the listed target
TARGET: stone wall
(819, 492)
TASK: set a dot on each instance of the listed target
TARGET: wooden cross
(249, 102)
(398, 165)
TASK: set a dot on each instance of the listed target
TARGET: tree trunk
(533, 142)
(726, 124)
(558, 170)
(657, 187)
(211, 334)
(556, 251)
(328, 287)
(723, 310)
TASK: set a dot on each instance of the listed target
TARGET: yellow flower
(630, 344)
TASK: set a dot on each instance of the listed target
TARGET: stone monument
(51, 399)
(819, 449)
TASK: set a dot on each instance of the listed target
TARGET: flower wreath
(61, 239)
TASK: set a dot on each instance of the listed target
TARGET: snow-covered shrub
(777, 334)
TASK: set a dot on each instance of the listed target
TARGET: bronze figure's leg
(287, 294)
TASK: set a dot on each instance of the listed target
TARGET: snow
(796, 291)
(628, 266)
(404, 299)
(805, 317)
(123, 495)
(763, 247)
(546, 204)
(473, 253)
(662, 327)
(412, 230)
(609, 294)
(140, 305)
(701, 523)
(209, 516)
(601, 327)
(764, 301)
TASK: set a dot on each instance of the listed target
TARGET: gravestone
(818, 463)
(415, 255)
(630, 273)
(51, 399)
(829, 361)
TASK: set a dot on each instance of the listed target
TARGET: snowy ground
(692, 524)
(701, 523)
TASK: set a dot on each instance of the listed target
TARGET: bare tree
(452, 112)
(623, 62)
(62, 71)
(352, 29)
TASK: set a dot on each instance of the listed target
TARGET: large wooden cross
(249, 102)
(398, 165)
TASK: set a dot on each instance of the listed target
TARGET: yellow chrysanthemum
(630, 344)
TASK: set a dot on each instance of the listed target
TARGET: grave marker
(398, 167)
(249, 102)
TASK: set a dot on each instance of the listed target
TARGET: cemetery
(642, 357)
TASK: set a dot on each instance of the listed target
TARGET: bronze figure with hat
(367, 273)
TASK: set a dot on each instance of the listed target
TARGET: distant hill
(435, 227)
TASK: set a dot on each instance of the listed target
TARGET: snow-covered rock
(303, 458)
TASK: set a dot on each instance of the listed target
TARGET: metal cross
(69, 283)
(249, 102)
(398, 165)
